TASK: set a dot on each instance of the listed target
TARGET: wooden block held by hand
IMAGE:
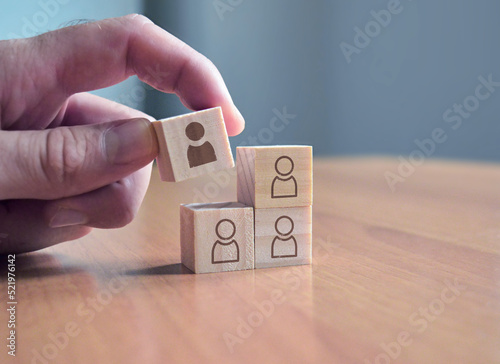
(192, 145)
(274, 176)
(217, 237)
(283, 236)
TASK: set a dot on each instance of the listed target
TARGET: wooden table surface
(411, 276)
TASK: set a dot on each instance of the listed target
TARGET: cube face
(277, 176)
(217, 237)
(192, 145)
(283, 236)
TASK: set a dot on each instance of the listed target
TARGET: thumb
(68, 161)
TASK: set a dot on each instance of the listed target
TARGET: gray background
(286, 53)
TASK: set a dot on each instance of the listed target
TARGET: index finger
(100, 54)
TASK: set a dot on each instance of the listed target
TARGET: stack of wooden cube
(277, 182)
(270, 225)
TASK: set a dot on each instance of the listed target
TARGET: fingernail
(241, 118)
(131, 141)
(238, 124)
(68, 217)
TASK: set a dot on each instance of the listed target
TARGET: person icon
(284, 247)
(227, 250)
(284, 185)
(202, 154)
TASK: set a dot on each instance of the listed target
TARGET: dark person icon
(202, 154)
(225, 250)
(284, 185)
(284, 247)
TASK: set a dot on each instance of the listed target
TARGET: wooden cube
(192, 145)
(217, 237)
(283, 236)
(275, 176)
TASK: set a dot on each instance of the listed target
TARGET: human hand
(66, 163)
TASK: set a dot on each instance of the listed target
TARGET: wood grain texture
(283, 236)
(192, 145)
(274, 176)
(217, 237)
(378, 259)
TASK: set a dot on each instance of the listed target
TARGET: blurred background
(348, 77)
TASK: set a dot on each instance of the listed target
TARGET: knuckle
(64, 157)
(138, 19)
(125, 217)
(208, 62)
(125, 204)
(200, 60)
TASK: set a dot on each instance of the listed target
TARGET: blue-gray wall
(394, 90)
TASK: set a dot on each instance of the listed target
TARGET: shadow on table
(36, 265)
(168, 269)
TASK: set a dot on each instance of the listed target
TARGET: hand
(66, 163)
